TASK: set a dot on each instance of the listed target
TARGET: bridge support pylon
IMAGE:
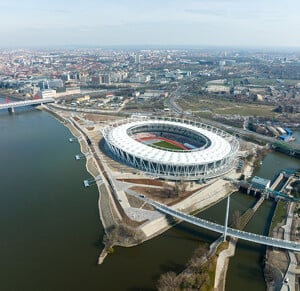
(11, 110)
(226, 218)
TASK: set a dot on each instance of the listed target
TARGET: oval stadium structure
(172, 148)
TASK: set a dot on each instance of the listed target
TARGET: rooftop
(260, 182)
(218, 149)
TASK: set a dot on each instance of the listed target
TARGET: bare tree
(199, 258)
(179, 188)
(176, 190)
(182, 186)
(169, 282)
(201, 250)
(269, 273)
(237, 220)
(201, 280)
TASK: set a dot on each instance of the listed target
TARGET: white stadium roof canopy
(218, 149)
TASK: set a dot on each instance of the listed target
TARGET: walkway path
(290, 276)
(260, 239)
(222, 263)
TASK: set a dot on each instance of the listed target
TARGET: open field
(150, 182)
(279, 215)
(248, 109)
(218, 106)
(164, 194)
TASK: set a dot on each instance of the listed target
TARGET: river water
(50, 229)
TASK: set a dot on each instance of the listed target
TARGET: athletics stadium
(172, 148)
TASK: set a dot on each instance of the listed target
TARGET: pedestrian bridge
(252, 237)
(10, 106)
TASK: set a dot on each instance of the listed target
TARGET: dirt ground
(137, 203)
(163, 195)
(150, 182)
(99, 117)
(278, 259)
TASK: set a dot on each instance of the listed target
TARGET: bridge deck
(287, 146)
(25, 103)
(260, 239)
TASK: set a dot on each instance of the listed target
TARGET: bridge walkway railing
(252, 237)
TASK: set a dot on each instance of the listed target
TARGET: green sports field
(166, 145)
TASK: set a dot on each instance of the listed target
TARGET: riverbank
(108, 212)
(283, 266)
(115, 208)
(76, 231)
(222, 265)
(224, 256)
(201, 199)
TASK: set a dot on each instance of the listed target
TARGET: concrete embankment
(223, 259)
(195, 203)
(107, 211)
(111, 214)
(222, 265)
(281, 266)
(206, 197)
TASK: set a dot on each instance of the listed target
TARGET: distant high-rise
(101, 79)
(137, 59)
(55, 83)
(43, 84)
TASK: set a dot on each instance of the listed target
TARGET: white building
(218, 89)
(55, 83)
(49, 93)
(137, 59)
(140, 78)
(117, 77)
(213, 154)
(101, 79)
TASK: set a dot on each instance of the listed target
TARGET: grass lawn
(213, 105)
(166, 145)
(279, 215)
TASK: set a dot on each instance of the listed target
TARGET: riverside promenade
(107, 209)
(113, 202)
(289, 280)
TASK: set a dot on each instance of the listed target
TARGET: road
(290, 276)
(171, 103)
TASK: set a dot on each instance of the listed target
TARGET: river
(50, 228)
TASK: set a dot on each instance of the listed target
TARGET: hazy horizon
(202, 23)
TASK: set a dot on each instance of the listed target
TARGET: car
(142, 196)
(286, 280)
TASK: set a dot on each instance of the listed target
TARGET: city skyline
(143, 23)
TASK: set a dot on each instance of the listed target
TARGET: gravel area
(139, 214)
(150, 182)
(104, 205)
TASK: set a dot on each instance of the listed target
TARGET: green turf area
(278, 216)
(214, 105)
(166, 145)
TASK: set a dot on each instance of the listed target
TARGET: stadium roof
(218, 149)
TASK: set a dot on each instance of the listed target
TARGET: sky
(242, 23)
